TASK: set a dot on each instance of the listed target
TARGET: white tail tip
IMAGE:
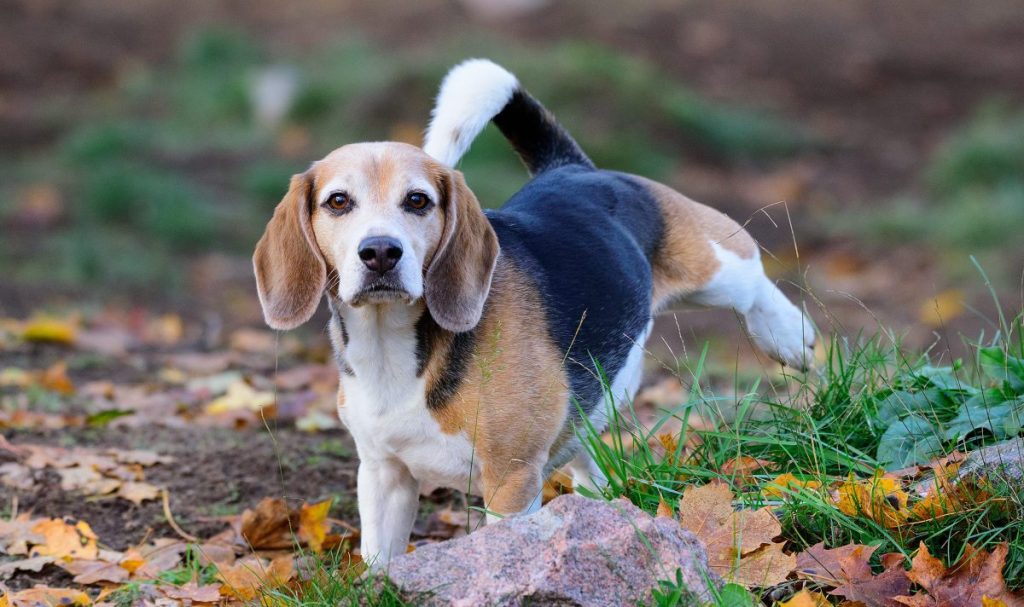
(472, 93)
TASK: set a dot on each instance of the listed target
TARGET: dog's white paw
(780, 329)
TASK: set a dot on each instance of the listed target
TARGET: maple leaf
(192, 591)
(95, 571)
(978, 575)
(847, 570)
(880, 499)
(740, 543)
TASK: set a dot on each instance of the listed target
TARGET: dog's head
(376, 223)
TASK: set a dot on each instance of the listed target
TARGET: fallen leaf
(785, 485)
(245, 579)
(137, 493)
(56, 379)
(880, 499)
(740, 543)
(240, 396)
(978, 574)
(846, 569)
(192, 591)
(95, 571)
(270, 526)
(313, 525)
(65, 540)
(745, 466)
(806, 598)
(664, 510)
(44, 596)
(149, 561)
(17, 535)
(50, 330)
(35, 564)
(942, 308)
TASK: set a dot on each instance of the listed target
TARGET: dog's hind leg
(708, 259)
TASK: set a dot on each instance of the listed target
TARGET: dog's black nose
(380, 253)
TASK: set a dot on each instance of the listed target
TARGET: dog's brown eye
(339, 201)
(417, 201)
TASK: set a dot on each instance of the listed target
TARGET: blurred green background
(872, 148)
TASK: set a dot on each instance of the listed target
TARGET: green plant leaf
(901, 403)
(1002, 367)
(912, 440)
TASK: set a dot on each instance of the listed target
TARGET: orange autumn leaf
(978, 575)
(806, 598)
(740, 543)
(65, 540)
(664, 510)
(745, 466)
(880, 499)
(56, 379)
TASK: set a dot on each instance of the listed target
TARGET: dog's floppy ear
(458, 278)
(290, 271)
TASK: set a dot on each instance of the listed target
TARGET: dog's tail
(477, 91)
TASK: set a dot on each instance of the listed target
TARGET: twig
(14, 507)
(170, 519)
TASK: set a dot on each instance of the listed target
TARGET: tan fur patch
(686, 261)
(513, 399)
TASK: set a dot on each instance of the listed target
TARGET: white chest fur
(385, 402)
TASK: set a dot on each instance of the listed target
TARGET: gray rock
(999, 462)
(575, 551)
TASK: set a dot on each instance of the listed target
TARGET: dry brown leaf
(95, 571)
(137, 493)
(269, 526)
(978, 574)
(65, 540)
(44, 595)
(732, 537)
(17, 535)
(149, 561)
(209, 593)
(246, 578)
(35, 564)
(846, 568)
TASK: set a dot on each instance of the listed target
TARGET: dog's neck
(376, 342)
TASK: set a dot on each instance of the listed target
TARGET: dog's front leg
(388, 499)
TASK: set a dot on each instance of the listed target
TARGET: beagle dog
(470, 343)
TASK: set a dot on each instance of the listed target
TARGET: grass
(869, 406)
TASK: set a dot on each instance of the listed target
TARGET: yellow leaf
(942, 308)
(313, 525)
(806, 598)
(240, 396)
(64, 540)
(245, 579)
(880, 499)
(50, 330)
(784, 485)
(136, 492)
(987, 602)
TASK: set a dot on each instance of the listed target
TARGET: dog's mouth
(381, 291)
